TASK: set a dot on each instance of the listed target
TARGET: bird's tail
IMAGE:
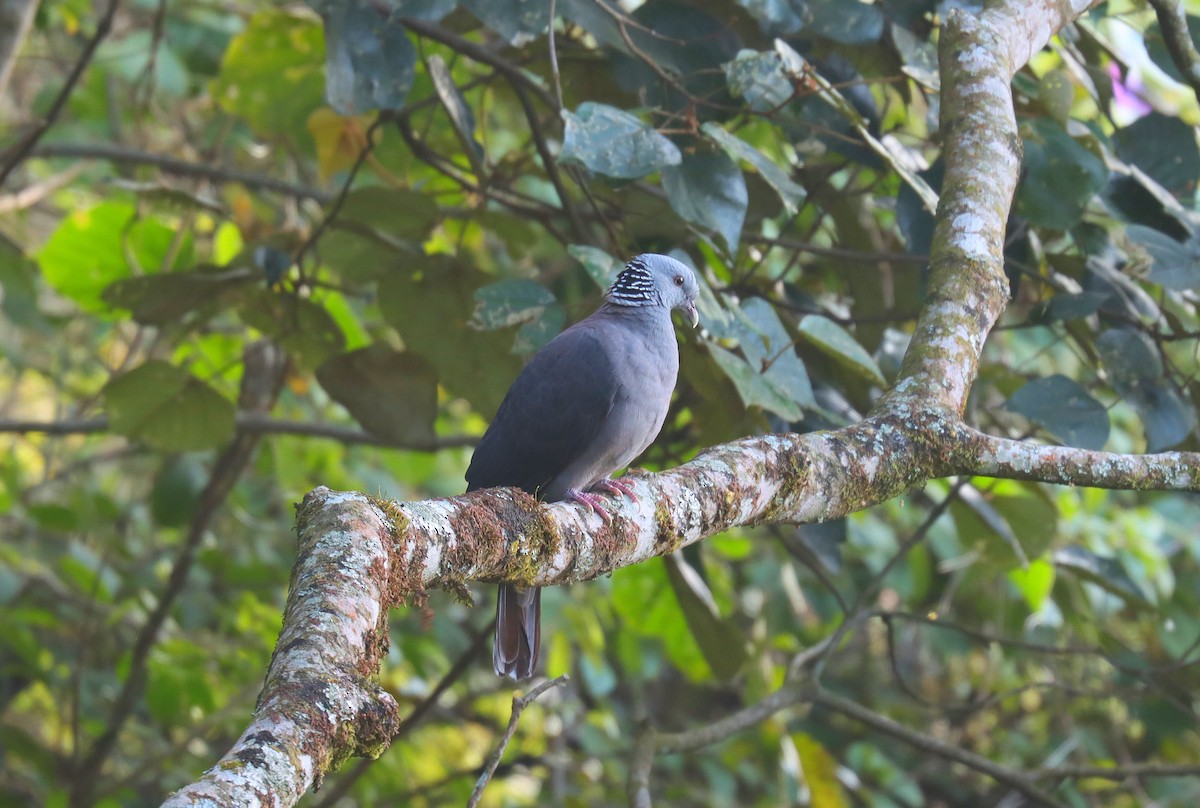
(518, 630)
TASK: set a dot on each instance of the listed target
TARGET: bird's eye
(679, 280)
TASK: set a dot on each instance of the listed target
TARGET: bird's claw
(617, 487)
(590, 501)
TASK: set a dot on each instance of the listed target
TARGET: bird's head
(656, 280)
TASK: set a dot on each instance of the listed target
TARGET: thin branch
(253, 423)
(261, 382)
(1172, 20)
(25, 145)
(481, 54)
(1116, 772)
(518, 706)
(887, 726)
(122, 155)
(340, 199)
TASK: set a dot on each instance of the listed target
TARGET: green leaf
(1136, 373)
(93, 248)
(391, 393)
(723, 646)
(1073, 306)
(759, 78)
(847, 23)
(836, 342)
(789, 192)
(1107, 573)
(819, 771)
(371, 62)
(176, 490)
(1165, 148)
(168, 408)
(709, 190)
(273, 73)
(303, 327)
(644, 599)
(430, 302)
(1034, 582)
(599, 265)
(518, 21)
(165, 299)
(1174, 264)
(1060, 176)
(509, 302)
(1064, 408)
(612, 142)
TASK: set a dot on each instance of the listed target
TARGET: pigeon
(586, 405)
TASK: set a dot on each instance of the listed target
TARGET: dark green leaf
(835, 341)
(177, 489)
(1073, 306)
(518, 21)
(1065, 408)
(789, 192)
(612, 142)
(1060, 176)
(303, 327)
(1107, 573)
(370, 58)
(599, 265)
(391, 393)
(168, 408)
(430, 303)
(1136, 373)
(1165, 148)
(519, 302)
(778, 17)
(165, 299)
(759, 78)
(851, 23)
(722, 644)
(1173, 264)
(709, 190)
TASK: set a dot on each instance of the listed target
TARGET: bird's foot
(590, 501)
(617, 487)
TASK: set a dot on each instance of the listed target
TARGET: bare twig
(887, 726)
(252, 423)
(519, 705)
(16, 17)
(261, 382)
(181, 168)
(24, 146)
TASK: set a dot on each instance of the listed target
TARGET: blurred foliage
(1035, 625)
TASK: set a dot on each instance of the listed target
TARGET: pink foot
(590, 501)
(617, 487)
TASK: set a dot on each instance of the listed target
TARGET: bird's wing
(550, 415)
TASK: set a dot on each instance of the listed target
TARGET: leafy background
(406, 199)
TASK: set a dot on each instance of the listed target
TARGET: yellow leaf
(818, 770)
(340, 140)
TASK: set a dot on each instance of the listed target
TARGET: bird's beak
(693, 315)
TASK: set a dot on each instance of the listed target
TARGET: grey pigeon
(587, 404)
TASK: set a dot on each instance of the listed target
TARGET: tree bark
(358, 558)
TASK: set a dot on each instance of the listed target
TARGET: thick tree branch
(318, 706)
